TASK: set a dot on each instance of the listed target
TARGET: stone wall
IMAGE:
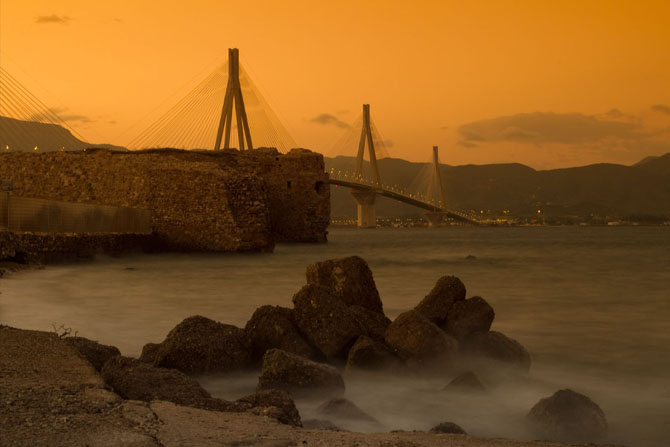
(205, 201)
(44, 248)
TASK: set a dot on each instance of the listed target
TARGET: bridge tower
(436, 217)
(233, 96)
(365, 200)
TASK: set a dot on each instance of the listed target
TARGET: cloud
(661, 108)
(53, 18)
(539, 128)
(330, 120)
(60, 113)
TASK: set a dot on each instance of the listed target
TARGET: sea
(591, 304)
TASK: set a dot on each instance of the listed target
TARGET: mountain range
(599, 190)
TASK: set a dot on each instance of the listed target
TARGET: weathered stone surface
(136, 380)
(467, 382)
(348, 279)
(369, 354)
(149, 352)
(299, 376)
(96, 354)
(567, 416)
(200, 345)
(341, 408)
(497, 346)
(436, 305)
(45, 248)
(448, 427)
(275, 327)
(468, 316)
(374, 323)
(327, 321)
(416, 338)
(274, 403)
(223, 201)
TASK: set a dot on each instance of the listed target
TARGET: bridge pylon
(435, 218)
(233, 98)
(365, 200)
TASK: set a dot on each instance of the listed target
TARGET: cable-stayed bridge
(366, 187)
(225, 111)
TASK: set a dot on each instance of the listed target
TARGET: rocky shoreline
(61, 390)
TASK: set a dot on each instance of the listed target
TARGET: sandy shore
(51, 396)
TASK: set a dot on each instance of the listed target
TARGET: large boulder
(199, 345)
(149, 352)
(299, 376)
(497, 347)
(568, 417)
(467, 382)
(348, 279)
(374, 323)
(436, 305)
(327, 321)
(448, 427)
(468, 316)
(275, 327)
(418, 340)
(344, 409)
(136, 380)
(369, 354)
(273, 403)
(97, 354)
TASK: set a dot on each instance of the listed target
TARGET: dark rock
(466, 382)
(568, 417)
(320, 424)
(436, 305)
(496, 346)
(299, 376)
(149, 352)
(369, 354)
(136, 380)
(344, 409)
(374, 323)
(200, 345)
(416, 339)
(348, 279)
(274, 403)
(275, 327)
(471, 258)
(328, 323)
(96, 353)
(448, 427)
(468, 316)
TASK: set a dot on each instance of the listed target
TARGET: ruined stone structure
(202, 201)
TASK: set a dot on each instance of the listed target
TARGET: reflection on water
(590, 304)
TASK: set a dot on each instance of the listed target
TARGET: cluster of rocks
(337, 322)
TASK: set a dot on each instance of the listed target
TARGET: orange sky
(544, 83)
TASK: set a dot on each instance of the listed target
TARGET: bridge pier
(435, 218)
(367, 217)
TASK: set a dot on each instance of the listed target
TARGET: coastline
(49, 395)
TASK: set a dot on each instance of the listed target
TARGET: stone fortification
(223, 201)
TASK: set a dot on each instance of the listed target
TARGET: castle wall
(224, 201)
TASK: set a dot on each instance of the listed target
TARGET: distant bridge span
(402, 197)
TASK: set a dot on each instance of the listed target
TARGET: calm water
(591, 304)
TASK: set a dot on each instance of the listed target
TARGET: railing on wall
(51, 216)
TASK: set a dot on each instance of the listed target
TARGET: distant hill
(601, 189)
(24, 136)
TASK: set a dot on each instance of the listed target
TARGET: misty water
(591, 304)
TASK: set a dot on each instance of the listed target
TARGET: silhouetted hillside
(602, 189)
(24, 136)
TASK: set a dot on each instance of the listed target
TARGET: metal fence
(51, 216)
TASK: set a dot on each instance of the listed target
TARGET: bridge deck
(403, 198)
